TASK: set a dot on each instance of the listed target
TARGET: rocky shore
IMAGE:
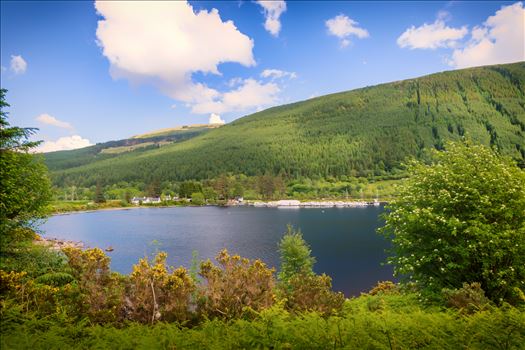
(58, 244)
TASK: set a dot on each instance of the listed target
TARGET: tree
(99, 194)
(302, 289)
(461, 219)
(266, 186)
(153, 189)
(197, 198)
(127, 197)
(13, 138)
(209, 193)
(238, 189)
(295, 256)
(25, 188)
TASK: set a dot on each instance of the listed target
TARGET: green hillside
(61, 160)
(364, 132)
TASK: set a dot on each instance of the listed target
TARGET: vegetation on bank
(219, 191)
(462, 210)
(364, 133)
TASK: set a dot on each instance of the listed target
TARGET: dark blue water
(343, 240)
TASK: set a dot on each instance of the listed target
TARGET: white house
(145, 200)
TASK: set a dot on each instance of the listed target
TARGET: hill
(177, 130)
(363, 132)
(61, 160)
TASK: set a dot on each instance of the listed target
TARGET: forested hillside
(69, 159)
(364, 132)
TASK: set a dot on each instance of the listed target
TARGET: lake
(343, 240)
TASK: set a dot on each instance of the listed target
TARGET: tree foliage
(24, 184)
(461, 219)
(296, 258)
(301, 288)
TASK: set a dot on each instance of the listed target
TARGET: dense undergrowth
(73, 300)
(367, 322)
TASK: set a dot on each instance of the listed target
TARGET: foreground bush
(235, 285)
(299, 286)
(313, 293)
(461, 219)
(401, 324)
(101, 291)
(469, 298)
(156, 293)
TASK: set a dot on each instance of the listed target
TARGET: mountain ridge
(363, 132)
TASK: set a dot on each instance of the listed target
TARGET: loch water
(343, 240)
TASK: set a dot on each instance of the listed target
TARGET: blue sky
(86, 72)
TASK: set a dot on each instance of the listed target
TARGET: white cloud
(18, 64)
(216, 119)
(62, 144)
(344, 27)
(277, 74)
(432, 36)
(234, 82)
(272, 12)
(501, 39)
(50, 120)
(251, 94)
(163, 43)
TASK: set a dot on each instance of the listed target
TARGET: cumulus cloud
(272, 12)
(277, 74)
(216, 119)
(50, 120)
(344, 27)
(18, 64)
(63, 143)
(163, 43)
(251, 94)
(432, 36)
(500, 39)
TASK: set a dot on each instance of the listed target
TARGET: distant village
(288, 203)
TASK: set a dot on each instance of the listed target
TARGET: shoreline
(283, 203)
(57, 244)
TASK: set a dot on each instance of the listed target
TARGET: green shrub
(468, 298)
(313, 293)
(197, 198)
(461, 219)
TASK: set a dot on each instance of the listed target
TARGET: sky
(86, 72)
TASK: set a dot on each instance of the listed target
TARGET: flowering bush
(461, 219)
(236, 284)
(156, 293)
(101, 291)
(384, 287)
